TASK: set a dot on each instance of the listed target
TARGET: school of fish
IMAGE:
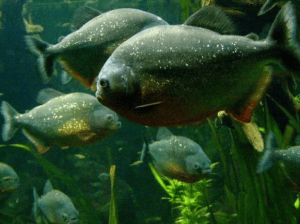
(154, 74)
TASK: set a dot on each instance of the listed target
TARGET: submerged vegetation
(191, 203)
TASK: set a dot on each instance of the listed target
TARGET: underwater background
(233, 193)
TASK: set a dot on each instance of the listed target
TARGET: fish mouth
(8, 189)
(98, 94)
(206, 171)
(73, 221)
(117, 126)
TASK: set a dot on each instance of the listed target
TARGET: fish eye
(109, 117)
(197, 167)
(103, 82)
(6, 179)
(64, 216)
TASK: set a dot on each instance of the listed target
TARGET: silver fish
(178, 157)
(9, 179)
(63, 120)
(83, 52)
(181, 75)
(54, 207)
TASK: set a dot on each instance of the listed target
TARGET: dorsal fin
(45, 95)
(35, 203)
(35, 195)
(163, 133)
(252, 36)
(212, 18)
(48, 187)
(82, 15)
(60, 38)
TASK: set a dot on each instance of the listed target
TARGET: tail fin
(284, 33)
(45, 60)
(268, 159)
(11, 125)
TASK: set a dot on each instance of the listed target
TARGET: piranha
(9, 179)
(54, 207)
(177, 157)
(83, 52)
(62, 120)
(272, 153)
(181, 75)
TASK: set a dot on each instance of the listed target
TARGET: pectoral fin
(148, 105)
(65, 147)
(86, 136)
(39, 144)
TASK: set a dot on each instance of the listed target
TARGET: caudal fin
(45, 61)
(11, 125)
(284, 33)
(268, 159)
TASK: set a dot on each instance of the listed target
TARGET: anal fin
(244, 109)
(84, 80)
(39, 144)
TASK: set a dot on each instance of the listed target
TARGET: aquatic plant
(191, 202)
(256, 198)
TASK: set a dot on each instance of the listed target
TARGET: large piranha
(183, 74)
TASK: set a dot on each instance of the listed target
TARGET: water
(236, 194)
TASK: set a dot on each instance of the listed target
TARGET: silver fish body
(9, 179)
(67, 120)
(178, 157)
(178, 75)
(54, 207)
(83, 52)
